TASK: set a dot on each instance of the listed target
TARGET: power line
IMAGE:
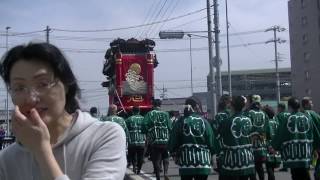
(156, 17)
(161, 18)
(172, 10)
(131, 27)
(162, 50)
(149, 14)
(20, 34)
(189, 22)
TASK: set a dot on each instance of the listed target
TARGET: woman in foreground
(55, 139)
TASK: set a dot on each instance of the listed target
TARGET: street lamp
(211, 81)
(180, 35)
(213, 91)
(276, 40)
(7, 99)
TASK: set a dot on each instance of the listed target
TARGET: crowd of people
(246, 137)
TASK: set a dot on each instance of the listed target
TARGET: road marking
(147, 175)
(141, 176)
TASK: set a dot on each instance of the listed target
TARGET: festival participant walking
(282, 113)
(294, 139)
(192, 141)
(137, 139)
(259, 122)
(157, 125)
(237, 161)
(113, 117)
(306, 107)
(223, 114)
(273, 157)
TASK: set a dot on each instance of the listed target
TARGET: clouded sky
(85, 50)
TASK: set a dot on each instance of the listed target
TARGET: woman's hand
(31, 131)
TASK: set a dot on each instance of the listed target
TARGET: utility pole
(276, 40)
(191, 72)
(217, 44)
(7, 98)
(47, 34)
(211, 77)
(228, 51)
(163, 94)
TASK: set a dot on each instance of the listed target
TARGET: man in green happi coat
(192, 141)
(294, 139)
(237, 161)
(157, 126)
(137, 139)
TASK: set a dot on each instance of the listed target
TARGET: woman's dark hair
(294, 104)
(269, 111)
(238, 103)
(45, 53)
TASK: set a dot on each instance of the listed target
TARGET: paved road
(147, 174)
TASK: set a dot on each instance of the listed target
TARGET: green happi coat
(237, 157)
(281, 117)
(134, 125)
(294, 139)
(192, 140)
(216, 124)
(156, 126)
(315, 117)
(271, 132)
(258, 134)
(220, 116)
(119, 120)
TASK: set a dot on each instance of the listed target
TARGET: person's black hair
(269, 111)
(294, 104)
(195, 105)
(255, 106)
(156, 103)
(224, 100)
(93, 110)
(171, 113)
(51, 55)
(282, 106)
(135, 109)
(238, 103)
(249, 98)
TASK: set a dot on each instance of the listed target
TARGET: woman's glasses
(19, 91)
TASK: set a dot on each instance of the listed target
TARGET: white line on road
(141, 176)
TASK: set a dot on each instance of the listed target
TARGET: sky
(106, 20)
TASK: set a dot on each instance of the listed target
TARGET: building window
(307, 75)
(304, 39)
(308, 92)
(304, 20)
(303, 4)
(306, 56)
